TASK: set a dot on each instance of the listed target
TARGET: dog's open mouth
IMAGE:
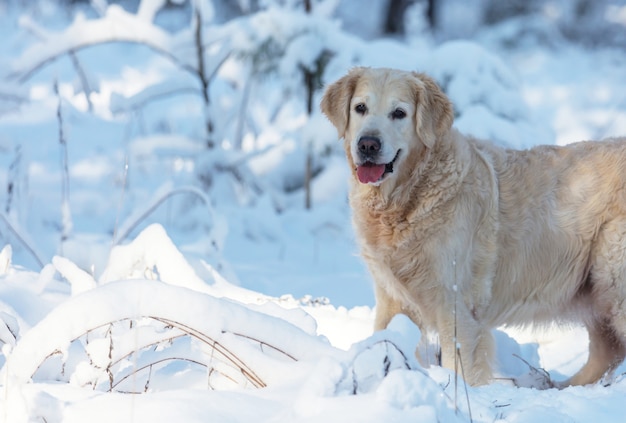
(371, 173)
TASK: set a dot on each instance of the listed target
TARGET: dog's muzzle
(370, 171)
(369, 148)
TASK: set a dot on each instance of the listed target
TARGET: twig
(386, 362)
(456, 345)
(214, 370)
(542, 373)
(110, 364)
(84, 81)
(201, 74)
(21, 239)
(137, 370)
(244, 158)
(13, 176)
(469, 406)
(241, 116)
(143, 347)
(65, 186)
(149, 210)
(263, 343)
(225, 355)
(13, 97)
(308, 171)
(239, 176)
(26, 75)
(139, 104)
(457, 351)
(121, 200)
(147, 385)
(225, 352)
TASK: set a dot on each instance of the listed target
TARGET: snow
(116, 25)
(173, 282)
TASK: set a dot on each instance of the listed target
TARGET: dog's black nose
(369, 145)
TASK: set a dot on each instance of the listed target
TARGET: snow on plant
(118, 320)
(257, 79)
(106, 333)
(134, 103)
(485, 93)
(161, 196)
(19, 234)
(188, 50)
(294, 49)
(116, 25)
(152, 255)
(11, 96)
(128, 334)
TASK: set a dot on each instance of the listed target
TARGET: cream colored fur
(505, 237)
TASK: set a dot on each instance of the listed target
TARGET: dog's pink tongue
(370, 172)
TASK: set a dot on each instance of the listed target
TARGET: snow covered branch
(224, 328)
(117, 26)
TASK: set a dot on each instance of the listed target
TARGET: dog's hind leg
(606, 351)
(605, 298)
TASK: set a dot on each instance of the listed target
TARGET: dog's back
(554, 203)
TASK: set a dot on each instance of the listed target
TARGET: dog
(463, 235)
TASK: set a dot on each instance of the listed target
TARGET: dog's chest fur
(420, 248)
(399, 238)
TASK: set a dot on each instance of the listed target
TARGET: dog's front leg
(386, 308)
(466, 346)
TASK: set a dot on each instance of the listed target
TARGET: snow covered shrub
(150, 321)
(125, 335)
(9, 325)
(590, 23)
(284, 54)
(486, 95)
(142, 334)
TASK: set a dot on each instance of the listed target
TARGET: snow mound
(121, 335)
(173, 336)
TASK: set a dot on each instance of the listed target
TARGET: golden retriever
(463, 235)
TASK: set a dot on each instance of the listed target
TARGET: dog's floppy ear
(336, 100)
(433, 112)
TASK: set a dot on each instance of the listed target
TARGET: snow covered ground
(156, 280)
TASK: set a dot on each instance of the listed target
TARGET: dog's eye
(398, 114)
(360, 108)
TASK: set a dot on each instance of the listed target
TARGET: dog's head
(387, 118)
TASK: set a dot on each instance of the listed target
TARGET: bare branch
(84, 81)
(151, 208)
(225, 352)
(23, 75)
(22, 239)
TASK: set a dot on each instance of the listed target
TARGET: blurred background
(203, 116)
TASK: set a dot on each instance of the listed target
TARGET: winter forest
(175, 233)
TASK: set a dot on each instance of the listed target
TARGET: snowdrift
(151, 341)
